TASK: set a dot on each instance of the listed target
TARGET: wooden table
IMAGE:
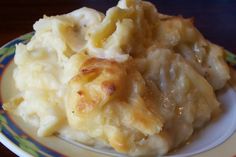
(216, 19)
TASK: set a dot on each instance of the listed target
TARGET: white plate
(22, 140)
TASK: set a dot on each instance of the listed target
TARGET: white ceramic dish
(22, 140)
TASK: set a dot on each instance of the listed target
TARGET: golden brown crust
(108, 87)
(115, 92)
(107, 77)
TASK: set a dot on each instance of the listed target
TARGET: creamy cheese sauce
(134, 80)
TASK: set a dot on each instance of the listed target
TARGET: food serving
(135, 80)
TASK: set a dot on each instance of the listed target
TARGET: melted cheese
(135, 80)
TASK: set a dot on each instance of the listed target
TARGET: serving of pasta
(134, 79)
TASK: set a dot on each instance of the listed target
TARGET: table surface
(216, 19)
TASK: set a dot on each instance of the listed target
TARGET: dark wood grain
(216, 19)
(5, 152)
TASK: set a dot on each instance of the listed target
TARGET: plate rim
(13, 147)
